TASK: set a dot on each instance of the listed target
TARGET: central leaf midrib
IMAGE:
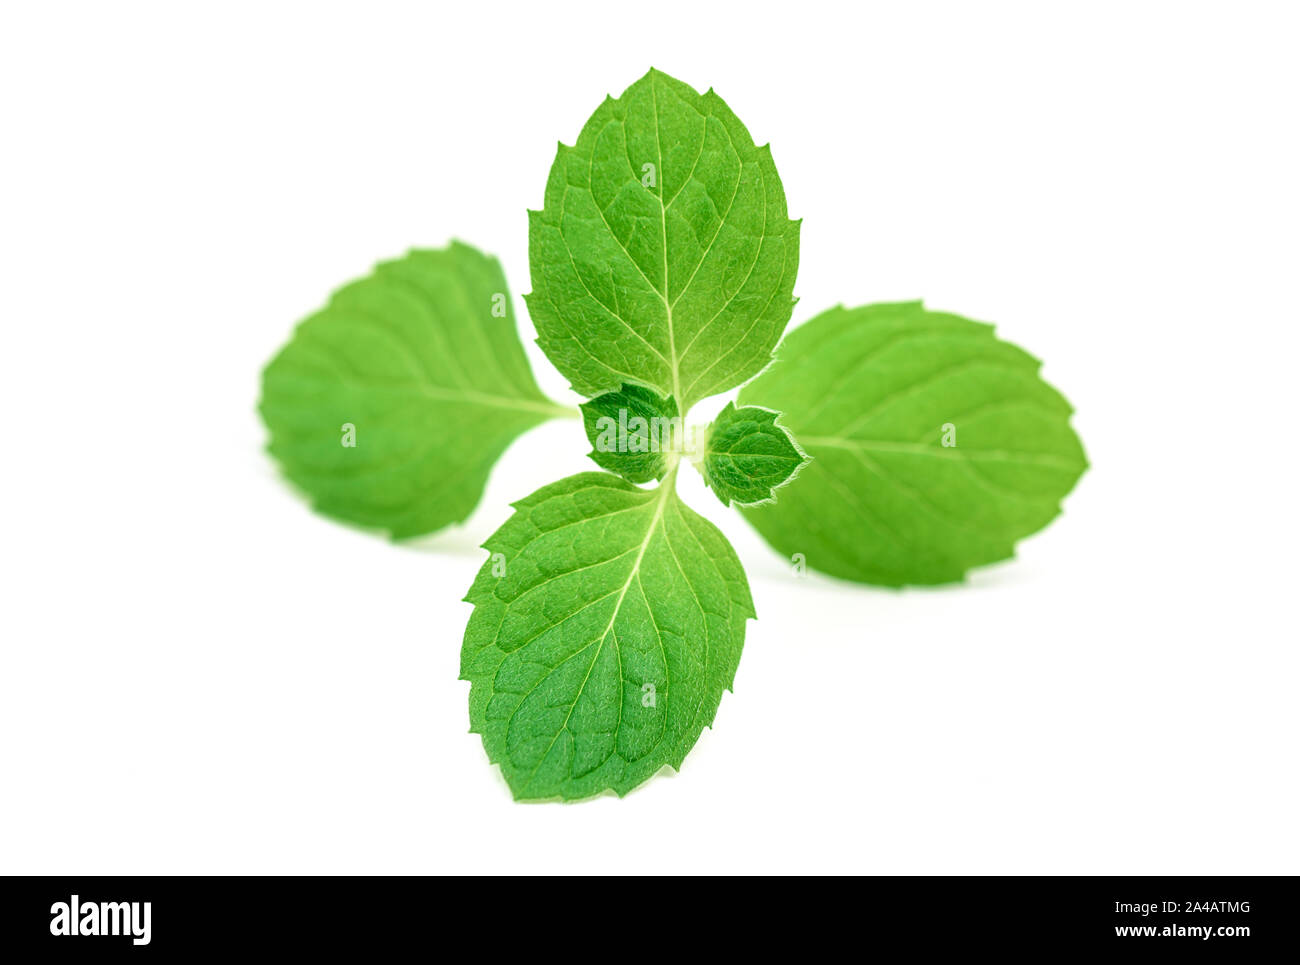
(423, 379)
(469, 396)
(663, 228)
(923, 449)
(664, 491)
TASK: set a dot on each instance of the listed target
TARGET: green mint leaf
(935, 445)
(630, 430)
(390, 406)
(663, 254)
(748, 456)
(607, 623)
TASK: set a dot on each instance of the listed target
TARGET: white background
(199, 675)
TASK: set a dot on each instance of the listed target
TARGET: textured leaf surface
(433, 384)
(663, 254)
(748, 456)
(631, 430)
(606, 626)
(873, 394)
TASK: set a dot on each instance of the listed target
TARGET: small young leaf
(607, 623)
(935, 446)
(390, 406)
(630, 430)
(663, 254)
(748, 456)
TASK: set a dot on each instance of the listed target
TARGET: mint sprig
(887, 444)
